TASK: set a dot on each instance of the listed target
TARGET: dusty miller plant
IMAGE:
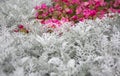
(91, 48)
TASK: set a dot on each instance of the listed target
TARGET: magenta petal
(37, 7)
(43, 6)
(20, 26)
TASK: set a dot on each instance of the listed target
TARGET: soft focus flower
(42, 21)
(68, 11)
(55, 0)
(78, 10)
(20, 26)
(92, 12)
(86, 3)
(43, 6)
(101, 2)
(64, 20)
(101, 14)
(75, 1)
(118, 11)
(86, 13)
(91, 2)
(36, 15)
(112, 10)
(16, 30)
(44, 14)
(117, 3)
(37, 7)
(51, 9)
(75, 17)
(66, 1)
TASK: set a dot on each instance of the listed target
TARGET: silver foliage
(91, 48)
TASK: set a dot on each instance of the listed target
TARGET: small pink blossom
(75, 17)
(117, 3)
(86, 13)
(43, 6)
(118, 11)
(36, 15)
(92, 12)
(101, 2)
(112, 9)
(68, 11)
(58, 7)
(48, 21)
(66, 1)
(75, 1)
(16, 30)
(56, 0)
(86, 3)
(42, 21)
(81, 19)
(78, 10)
(37, 7)
(101, 14)
(64, 19)
(20, 26)
(51, 9)
(91, 2)
(52, 22)
(44, 14)
(55, 21)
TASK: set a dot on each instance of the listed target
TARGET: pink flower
(64, 19)
(48, 21)
(91, 2)
(42, 21)
(20, 26)
(37, 7)
(16, 30)
(112, 10)
(75, 1)
(101, 14)
(55, 21)
(81, 19)
(118, 11)
(78, 10)
(86, 3)
(44, 14)
(92, 12)
(36, 15)
(117, 3)
(52, 23)
(43, 6)
(74, 17)
(51, 9)
(86, 13)
(58, 7)
(55, 0)
(101, 2)
(66, 1)
(68, 11)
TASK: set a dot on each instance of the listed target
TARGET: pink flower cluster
(21, 28)
(74, 11)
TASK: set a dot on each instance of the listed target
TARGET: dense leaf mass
(90, 48)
